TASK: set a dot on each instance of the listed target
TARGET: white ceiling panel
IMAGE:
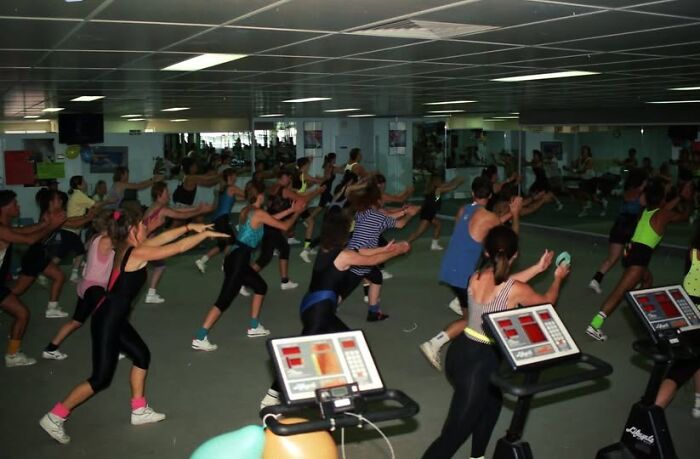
(127, 36)
(240, 40)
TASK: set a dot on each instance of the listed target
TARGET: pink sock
(60, 410)
(137, 403)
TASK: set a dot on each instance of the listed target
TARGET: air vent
(430, 30)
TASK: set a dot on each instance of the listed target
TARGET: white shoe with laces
(54, 355)
(289, 285)
(154, 298)
(145, 415)
(595, 286)
(386, 274)
(435, 245)
(366, 299)
(293, 241)
(695, 413)
(203, 345)
(305, 255)
(42, 280)
(560, 206)
(244, 291)
(432, 354)
(201, 266)
(271, 398)
(258, 331)
(74, 276)
(18, 359)
(55, 313)
(597, 335)
(456, 307)
(53, 425)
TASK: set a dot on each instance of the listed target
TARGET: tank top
(463, 252)
(277, 202)
(152, 217)
(691, 282)
(325, 275)
(475, 330)
(249, 236)
(328, 183)
(124, 286)
(644, 233)
(184, 196)
(97, 269)
(349, 174)
(225, 204)
(116, 196)
(299, 183)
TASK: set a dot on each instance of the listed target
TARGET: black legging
(237, 273)
(85, 305)
(272, 239)
(475, 404)
(352, 280)
(112, 333)
(318, 319)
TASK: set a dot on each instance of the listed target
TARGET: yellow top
(691, 282)
(78, 205)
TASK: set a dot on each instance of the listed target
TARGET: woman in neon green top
(647, 236)
(691, 282)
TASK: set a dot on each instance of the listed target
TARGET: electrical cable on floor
(364, 419)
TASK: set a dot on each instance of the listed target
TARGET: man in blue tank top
(472, 224)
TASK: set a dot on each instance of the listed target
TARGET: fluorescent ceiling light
(175, 109)
(271, 115)
(446, 111)
(306, 99)
(675, 102)
(515, 113)
(35, 132)
(546, 76)
(179, 120)
(436, 116)
(492, 120)
(202, 62)
(42, 120)
(15, 132)
(366, 115)
(131, 116)
(87, 98)
(149, 130)
(686, 88)
(30, 117)
(506, 117)
(136, 119)
(53, 109)
(341, 110)
(450, 102)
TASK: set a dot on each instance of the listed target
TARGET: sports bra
(249, 236)
(644, 233)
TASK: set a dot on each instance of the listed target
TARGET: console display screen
(665, 310)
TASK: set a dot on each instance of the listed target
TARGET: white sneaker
(244, 291)
(695, 413)
(154, 298)
(366, 299)
(293, 241)
(432, 354)
(456, 307)
(275, 253)
(560, 206)
(271, 398)
(145, 415)
(289, 285)
(121, 356)
(74, 276)
(597, 335)
(42, 280)
(54, 355)
(53, 425)
(203, 345)
(18, 360)
(595, 286)
(201, 266)
(313, 251)
(305, 255)
(386, 274)
(55, 313)
(258, 331)
(435, 245)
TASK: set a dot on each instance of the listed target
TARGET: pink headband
(117, 215)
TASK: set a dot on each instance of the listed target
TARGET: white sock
(204, 258)
(75, 270)
(52, 305)
(152, 291)
(440, 339)
(697, 400)
(480, 457)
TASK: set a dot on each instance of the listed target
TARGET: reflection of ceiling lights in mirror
(506, 117)
(87, 98)
(42, 120)
(306, 99)
(341, 110)
(445, 111)
(136, 119)
(436, 116)
(131, 116)
(53, 109)
(546, 76)
(30, 117)
(366, 115)
(35, 132)
(271, 115)
(691, 101)
(179, 120)
(203, 61)
(450, 102)
(686, 88)
(175, 109)
(492, 120)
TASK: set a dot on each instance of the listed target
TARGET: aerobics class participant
(237, 269)
(79, 204)
(490, 173)
(280, 199)
(625, 223)
(647, 236)
(431, 206)
(319, 306)
(154, 219)
(353, 170)
(9, 302)
(91, 287)
(121, 184)
(370, 222)
(691, 281)
(301, 181)
(110, 328)
(541, 183)
(39, 256)
(472, 357)
(472, 223)
(400, 198)
(222, 216)
(186, 191)
(588, 186)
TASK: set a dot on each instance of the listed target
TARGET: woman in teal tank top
(237, 269)
(647, 236)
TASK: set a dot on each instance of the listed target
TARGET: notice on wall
(105, 159)
(397, 138)
(50, 171)
(313, 139)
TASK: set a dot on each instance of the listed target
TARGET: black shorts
(623, 229)
(683, 369)
(428, 212)
(462, 296)
(304, 215)
(85, 306)
(69, 243)
(637, 254)
(35, 260)
(352, 280)
(589, 186)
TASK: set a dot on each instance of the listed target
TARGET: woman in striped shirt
(472, 357)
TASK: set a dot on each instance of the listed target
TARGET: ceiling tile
(14, 33)
(433, 50)
(182, 11)
(48, 9)
(19, 58)
(260, 63)
(127, 36)
(511, 55)
(243, 41)
(688, 8)
(339, 45)
(681, 34)
(89, 59)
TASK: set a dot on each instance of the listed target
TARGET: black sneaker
(376, 316)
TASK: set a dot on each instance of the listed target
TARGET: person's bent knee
(260, 289)
(100, 383)
(143, 359)
(223, 305)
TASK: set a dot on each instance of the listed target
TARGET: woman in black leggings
(330, 274)
(110, 328)
(472, 358)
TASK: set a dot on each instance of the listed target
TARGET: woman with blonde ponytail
(472, 357)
